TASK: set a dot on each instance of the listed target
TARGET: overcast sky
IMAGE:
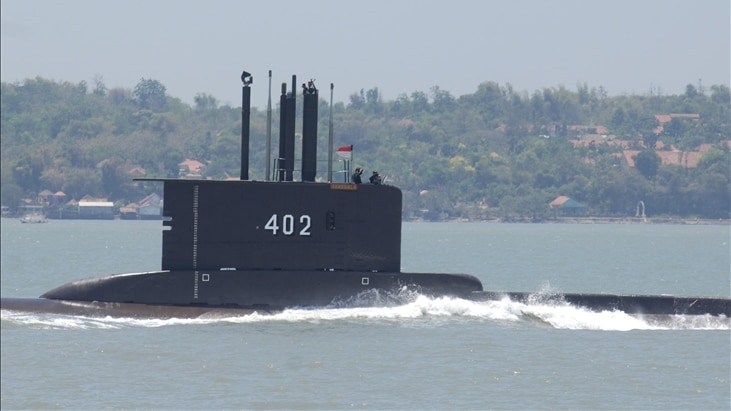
(398, 46)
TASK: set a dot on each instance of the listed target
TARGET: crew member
(375, 178)
(356, 176)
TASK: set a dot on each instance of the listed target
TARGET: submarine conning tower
(281, 225)
(285, 162)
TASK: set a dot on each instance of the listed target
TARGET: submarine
(240, 246)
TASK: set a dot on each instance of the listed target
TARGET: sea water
(424, 354)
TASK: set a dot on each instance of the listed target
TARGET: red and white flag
(346, 152)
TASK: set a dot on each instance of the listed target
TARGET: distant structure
(567, 207)
(640, 211)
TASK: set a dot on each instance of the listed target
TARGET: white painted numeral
(288, 225)
(272, 225)
(305, 219)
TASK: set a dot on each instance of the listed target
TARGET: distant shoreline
(555, 220)
(639, 220)
(595, 220)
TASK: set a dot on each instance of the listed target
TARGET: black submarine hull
(101, 309)
(270, 289)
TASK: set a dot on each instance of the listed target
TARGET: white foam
(545, 314)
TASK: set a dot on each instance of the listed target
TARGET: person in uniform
(375, 178)
(356, 176)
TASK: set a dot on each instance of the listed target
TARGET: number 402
(287, 224)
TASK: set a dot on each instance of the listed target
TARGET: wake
(403, 309)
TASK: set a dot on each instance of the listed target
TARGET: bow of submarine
(275, 289)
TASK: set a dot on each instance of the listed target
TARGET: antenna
(330, 139)
(267, 162)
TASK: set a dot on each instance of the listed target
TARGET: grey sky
(399, 46)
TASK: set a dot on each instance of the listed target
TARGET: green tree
(675, 128)
(647, 163)
(113, 177)
(205, 102)
(150, 94)
(617, 121)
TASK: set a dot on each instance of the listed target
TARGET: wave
(404, 308)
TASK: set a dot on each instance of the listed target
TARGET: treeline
(494, 153)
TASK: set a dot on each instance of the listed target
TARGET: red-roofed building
(191, 168)
(663, 119)
(567, 206)
(685, 159)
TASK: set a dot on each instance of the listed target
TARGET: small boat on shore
(33, 219)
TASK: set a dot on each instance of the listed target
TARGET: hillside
(492, 154)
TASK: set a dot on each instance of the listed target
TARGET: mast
(282, 132)
(247, 79)
(267, 161)
(310, 100)
(287, 111)
(289, 131)
(330, 139)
